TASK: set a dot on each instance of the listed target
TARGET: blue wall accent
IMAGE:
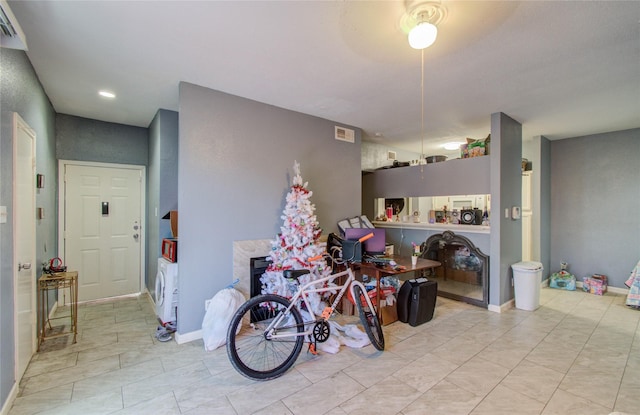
(21, 92)
(595, 189)
(235, 168)
(84, 139)
(162, 185)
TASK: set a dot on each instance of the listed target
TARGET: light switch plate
(515, 212)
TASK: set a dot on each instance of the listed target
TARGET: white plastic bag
(220, 311)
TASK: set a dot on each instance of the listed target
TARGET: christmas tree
(297, 242)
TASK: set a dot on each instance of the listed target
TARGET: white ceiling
(561, 68)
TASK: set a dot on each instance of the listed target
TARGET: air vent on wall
(345, 134)
(391, 155)
(11, 34)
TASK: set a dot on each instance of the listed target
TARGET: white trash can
(527, 276)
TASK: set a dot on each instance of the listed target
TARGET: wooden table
(57, 281)
(403, 265)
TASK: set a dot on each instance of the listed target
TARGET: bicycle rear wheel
(255, 353)
(368, 317)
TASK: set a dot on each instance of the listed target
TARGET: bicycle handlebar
(367, 236)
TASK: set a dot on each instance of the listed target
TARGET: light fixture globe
(422, 35)
(421, 20)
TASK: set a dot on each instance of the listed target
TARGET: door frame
(143, 207)
(19, 123)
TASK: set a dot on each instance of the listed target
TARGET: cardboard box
(388, 313)
(172, 215)
(596, 284)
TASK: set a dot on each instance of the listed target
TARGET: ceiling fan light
(454, 145)
(423, 35)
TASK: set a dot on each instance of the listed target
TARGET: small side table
(56, 281)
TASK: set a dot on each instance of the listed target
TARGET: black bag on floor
(417, 301)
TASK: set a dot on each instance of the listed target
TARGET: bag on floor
(220, 311)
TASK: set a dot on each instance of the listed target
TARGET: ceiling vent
(11, 34)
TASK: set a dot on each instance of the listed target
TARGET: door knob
(23, 266)
(135, 236)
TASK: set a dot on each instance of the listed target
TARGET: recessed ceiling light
(107, 94)
(454, 145)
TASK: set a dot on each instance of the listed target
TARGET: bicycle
(266, 334)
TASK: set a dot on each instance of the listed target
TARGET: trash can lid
(527, 266)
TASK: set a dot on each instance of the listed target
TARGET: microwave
(170, 249)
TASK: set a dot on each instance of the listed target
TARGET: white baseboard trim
(610, 289)
(501, 308)
(188, 337)
(13, 394)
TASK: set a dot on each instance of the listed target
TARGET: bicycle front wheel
(256, 353)
(368, 317)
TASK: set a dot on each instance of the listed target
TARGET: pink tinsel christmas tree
(297, 242)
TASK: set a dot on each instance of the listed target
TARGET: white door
(102, 228)
(24, 241)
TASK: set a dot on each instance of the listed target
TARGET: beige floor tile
(566, 403)
(478, 376)
(505, 401)
(535, 381)
(425, 372)
(443, 398)
(163, 404)
(61, 377)
(386, 363)
(388, 396)
(592, 384)
(115, 379)
(323, 396)
(243, 399)
(102, 403)
(40, 401)
(219, 406)
(576, 354)
(134, 393)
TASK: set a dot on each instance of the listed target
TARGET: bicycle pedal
(312, 349)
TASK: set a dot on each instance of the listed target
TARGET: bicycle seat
(294, 273)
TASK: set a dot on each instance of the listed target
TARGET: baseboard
(117, 297)
(13, 394)
(501, 308)
(53, 310)
(188, 337)
(610, 289)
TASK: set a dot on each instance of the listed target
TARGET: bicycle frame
(302, 293)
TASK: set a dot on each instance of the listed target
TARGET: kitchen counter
(434, 226)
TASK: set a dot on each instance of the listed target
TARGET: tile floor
(577, 354)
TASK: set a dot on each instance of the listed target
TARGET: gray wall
(235, 167)
(595, 188)
(375, 155)
(85, 139)
(506, 191)
(436, 179)
(21, 92)
(498, 174)
(162, 186)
